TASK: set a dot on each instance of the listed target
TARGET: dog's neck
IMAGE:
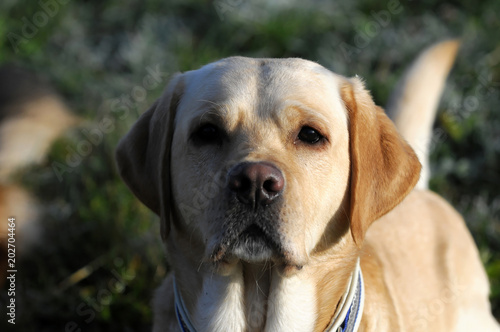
(259, 297)
(256, 300)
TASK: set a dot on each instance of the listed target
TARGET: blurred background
(97, 256)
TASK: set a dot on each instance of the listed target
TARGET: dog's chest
(274, 303)
(249, 302)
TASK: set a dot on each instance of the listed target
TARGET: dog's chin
(253, 246)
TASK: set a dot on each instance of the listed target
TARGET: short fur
(413, 104)
(420, 266)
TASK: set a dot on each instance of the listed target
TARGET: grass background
(101, 256)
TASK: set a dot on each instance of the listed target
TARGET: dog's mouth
(253, 244)
(253, 237)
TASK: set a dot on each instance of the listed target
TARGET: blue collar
(181, 312)
(350, 310)
(345, 319)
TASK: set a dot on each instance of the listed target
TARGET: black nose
(256, 183)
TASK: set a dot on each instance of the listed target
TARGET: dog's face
(259, 165)
(262, 159)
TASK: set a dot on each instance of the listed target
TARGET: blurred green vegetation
(101, 256)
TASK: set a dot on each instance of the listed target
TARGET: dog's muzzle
(251, 222)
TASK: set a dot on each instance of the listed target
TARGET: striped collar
(181, 312)
(345, 319)
(350, 309)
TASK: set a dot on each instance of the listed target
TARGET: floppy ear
(384, 168)
(143, 154)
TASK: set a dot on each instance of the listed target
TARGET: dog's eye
(309, 135)
(207, 134)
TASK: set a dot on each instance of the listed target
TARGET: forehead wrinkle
(213, 109)
(259, 97)
(203, 108)
(238, 96)
(302, 109)
(229, 115)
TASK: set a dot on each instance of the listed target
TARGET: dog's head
(266, 159)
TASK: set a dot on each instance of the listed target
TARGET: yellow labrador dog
(268, 176)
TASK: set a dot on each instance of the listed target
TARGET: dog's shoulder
(422, 212)
(425, 253)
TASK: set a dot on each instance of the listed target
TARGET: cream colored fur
(344, 198)
(414, 102)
